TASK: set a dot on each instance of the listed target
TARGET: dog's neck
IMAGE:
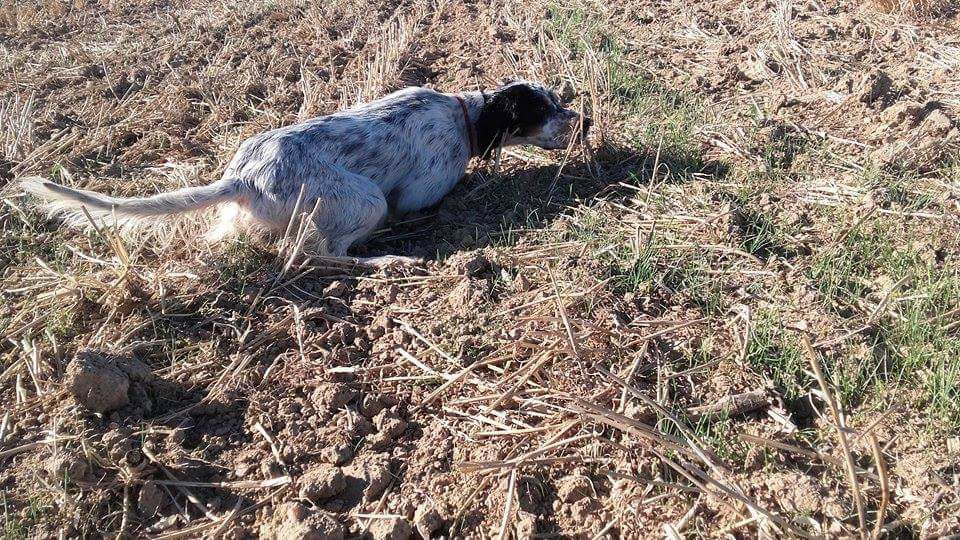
(473, 102)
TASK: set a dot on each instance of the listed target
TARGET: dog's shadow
(490, 207)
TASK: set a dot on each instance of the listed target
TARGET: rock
(97, 382)
(149, 499)
(426, 519)
(293, 521)
(390, 529)
(321, 483)
(575, 487)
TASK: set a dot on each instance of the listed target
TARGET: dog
(349, 170)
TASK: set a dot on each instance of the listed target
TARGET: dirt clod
(390, 529)
(336, 396)
(475, 265)
(293, 521)
(97, 382)
(526, 524)
(372, 475)
(712, 220)
(875, 86)
(336, 289)
(67, 466)
(389, 426)
(573, 488)
(370, 406)
(321, 483)
(426, 520)
(337, 454)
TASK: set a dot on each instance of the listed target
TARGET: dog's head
(523, 112)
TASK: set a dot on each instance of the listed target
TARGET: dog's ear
(498, 117)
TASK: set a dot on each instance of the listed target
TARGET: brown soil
(219, 397)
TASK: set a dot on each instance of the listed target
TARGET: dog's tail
(70, 203)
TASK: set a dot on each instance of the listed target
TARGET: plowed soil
(602, 342)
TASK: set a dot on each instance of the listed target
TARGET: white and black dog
(400, 153)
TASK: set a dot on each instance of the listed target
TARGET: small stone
(149, 499)
(97, 382)
(321, 483)
(390, 529)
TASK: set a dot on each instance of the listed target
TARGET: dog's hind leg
(348, 209)
(228, 221)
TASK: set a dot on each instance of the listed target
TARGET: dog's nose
(587, 122)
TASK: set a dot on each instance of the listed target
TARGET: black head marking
(517, 109)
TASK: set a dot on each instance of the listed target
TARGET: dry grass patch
(608, 340)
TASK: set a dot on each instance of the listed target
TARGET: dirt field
(735, 312)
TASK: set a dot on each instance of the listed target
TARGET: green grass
(901, 187)
(718, 431)
(841, 273)
(239, 260)
(774, 351)
(668, 116)
(62, 323)
(19, 244)
(17, 529)
(760, 235)
(923, 349)
(690, 278)
(780, 153)
(911, 345)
